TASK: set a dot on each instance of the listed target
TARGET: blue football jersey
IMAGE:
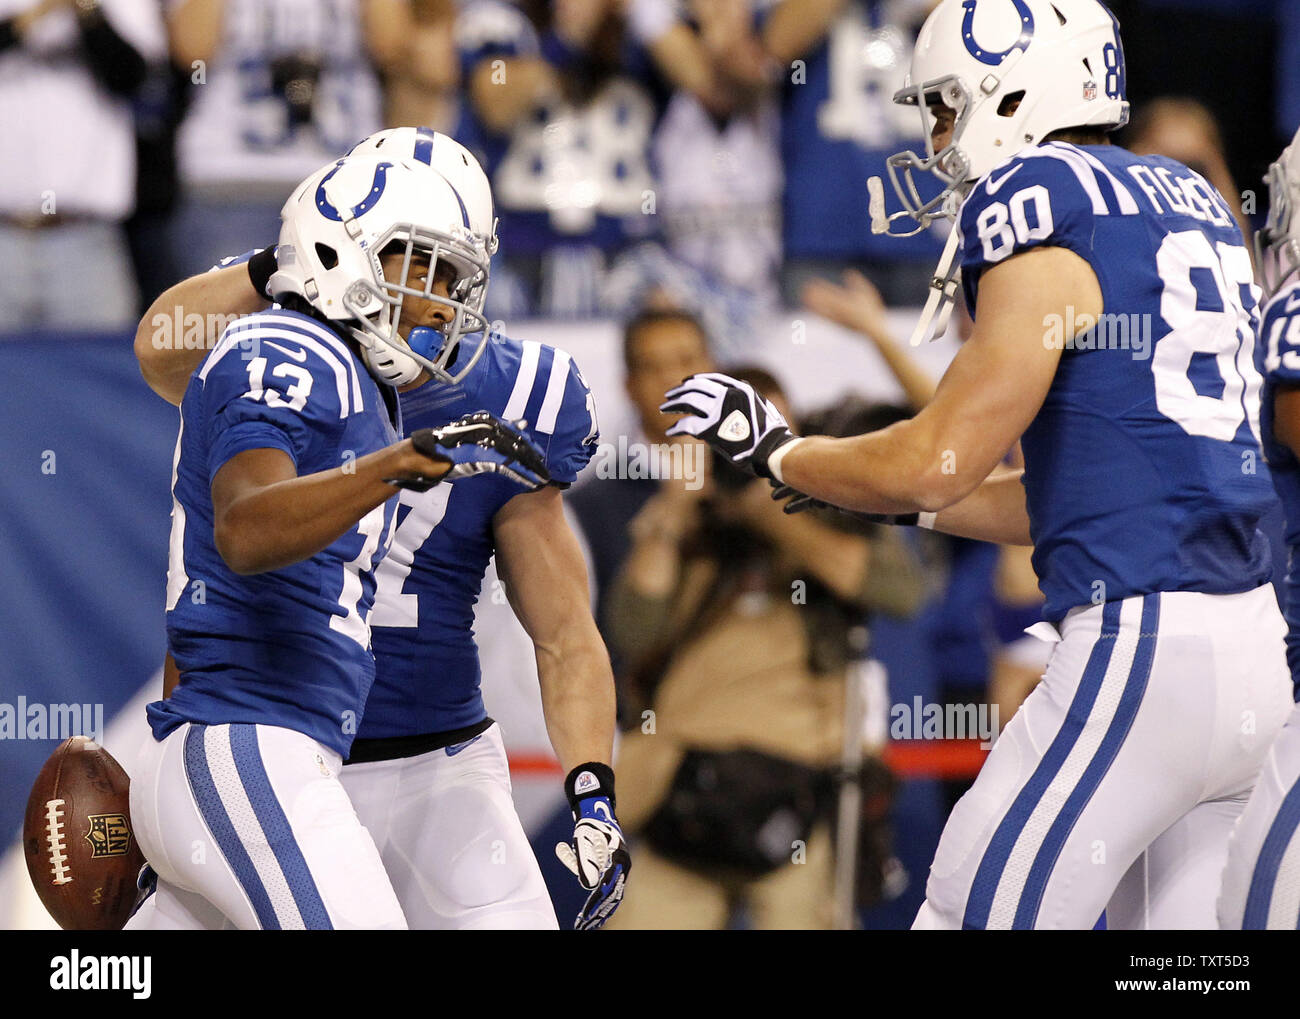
(426, 662)
(1143, 470)
(1277, 355)
(289, 647)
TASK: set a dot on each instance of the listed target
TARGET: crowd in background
(685, 167)
(706, 154)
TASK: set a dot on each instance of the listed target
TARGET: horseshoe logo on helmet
(377, 185)
(984, 56)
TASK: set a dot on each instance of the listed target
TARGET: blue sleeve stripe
(301, 323)
(1128, 205)
(554, 398)
(523, 388)
(1087, 179)
(342, 374)
(223, 347)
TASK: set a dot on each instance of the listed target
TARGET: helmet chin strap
(391, 365)
(933, 322)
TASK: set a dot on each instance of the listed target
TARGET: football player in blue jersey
(1115, 320)
(1261, 884)
(287, 461)
(428, 772)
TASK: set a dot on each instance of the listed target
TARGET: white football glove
(731, 417)
(598, 855)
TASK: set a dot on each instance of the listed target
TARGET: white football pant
(253, 820)
(1261, 883)
(1116, 784)
(450, 839)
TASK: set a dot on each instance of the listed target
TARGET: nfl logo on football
(109, 835)
(1089, 90)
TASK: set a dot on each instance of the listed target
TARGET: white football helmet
(1061, 58)
(1277, 245)
(338, 223)
(448, 157)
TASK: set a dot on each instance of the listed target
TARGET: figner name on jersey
(289, 647)
(426, 663)
(1142, 473)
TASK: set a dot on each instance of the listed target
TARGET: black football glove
(479, 443)
(731, 417)
(800, 501)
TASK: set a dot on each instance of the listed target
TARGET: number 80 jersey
(289, 647)
(1143, 469)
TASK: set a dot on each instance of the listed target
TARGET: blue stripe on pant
(1280, 834)
(218, 822)
(1130, 700)
(989, 873)
(275, 826)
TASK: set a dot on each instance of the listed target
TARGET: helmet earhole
(1010, 102)
(329, 258)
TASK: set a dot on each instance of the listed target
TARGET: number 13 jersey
(289, 647)
(1143, 469)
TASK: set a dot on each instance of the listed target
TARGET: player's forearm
(185, 322)
(993, 512)
(272, 526)
(901, 469)
(578, 698)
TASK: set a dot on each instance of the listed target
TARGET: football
(81, 853)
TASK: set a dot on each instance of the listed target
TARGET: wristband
(587, 780)
(926, 520)
(778, 454)
(261, 267)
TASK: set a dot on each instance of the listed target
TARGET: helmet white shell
(336, 225)
(1061, 59)
(448, 157)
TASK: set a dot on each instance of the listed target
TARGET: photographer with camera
(737, 625)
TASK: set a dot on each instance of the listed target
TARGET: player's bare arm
(541, 564)
(994, 512)
(546, 582)
(167, 366)
(987, 398)
(266, 517)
